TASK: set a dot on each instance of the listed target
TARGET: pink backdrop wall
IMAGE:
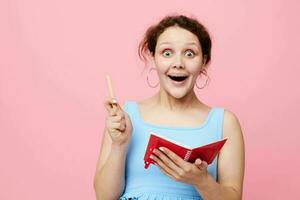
(53, 59)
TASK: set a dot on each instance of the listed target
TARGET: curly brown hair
(191, 24)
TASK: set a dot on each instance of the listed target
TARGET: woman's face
(178, 60)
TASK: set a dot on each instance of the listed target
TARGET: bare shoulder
(232, 127)
(233, 131)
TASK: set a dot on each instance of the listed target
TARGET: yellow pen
(110, 89)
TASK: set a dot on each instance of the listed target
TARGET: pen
(109, 83)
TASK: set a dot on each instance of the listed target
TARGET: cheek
(194, 67)
(161, 60)
(162, 65)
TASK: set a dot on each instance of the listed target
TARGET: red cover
(207, 152)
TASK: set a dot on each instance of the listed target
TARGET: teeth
(178, 75)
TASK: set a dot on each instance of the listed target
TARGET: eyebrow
(189, 43)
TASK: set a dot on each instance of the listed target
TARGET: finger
(127, 120)
(116, 122)
(163, 166)
(204, 164)
(115, 125)
(198, 162)
(120, 112)
(109, 104)
(122, 128)
(175, 158)
(113, 111)
(118, 125)
(117, 110)
(164, 171)
(115, 133)
(167, 161)
(201, 164)
(116, 118)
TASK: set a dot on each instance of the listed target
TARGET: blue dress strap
(219, 119)
(130, 109)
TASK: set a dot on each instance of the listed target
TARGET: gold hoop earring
(152, 68)
(207, 79)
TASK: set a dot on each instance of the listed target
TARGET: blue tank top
(151, 183)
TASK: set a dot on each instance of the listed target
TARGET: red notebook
(207, 152)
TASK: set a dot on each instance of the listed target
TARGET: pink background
(53, 59)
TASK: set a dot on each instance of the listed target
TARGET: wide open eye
(189, 52)
(167, 52)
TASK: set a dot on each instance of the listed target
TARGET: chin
(178, 94)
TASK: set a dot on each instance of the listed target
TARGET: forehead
(177, 35)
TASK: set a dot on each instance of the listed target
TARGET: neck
(169, 102)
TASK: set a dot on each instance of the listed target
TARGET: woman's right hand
(118, 123)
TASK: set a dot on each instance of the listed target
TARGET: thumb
(201, 164)
(109, 105)
(198, 162)
(114, 110)
(127, 121)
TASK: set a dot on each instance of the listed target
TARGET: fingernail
(161, 148)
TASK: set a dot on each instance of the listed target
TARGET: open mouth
(177, 78)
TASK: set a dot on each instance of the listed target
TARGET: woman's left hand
(178, 169)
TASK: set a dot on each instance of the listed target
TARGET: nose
(178, 62)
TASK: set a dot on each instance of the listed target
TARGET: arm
(230, 165)
(109, 176)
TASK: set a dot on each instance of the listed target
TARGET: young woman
(179, 48)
